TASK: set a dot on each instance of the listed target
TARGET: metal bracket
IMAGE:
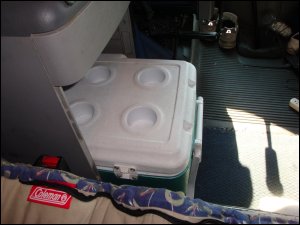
(125, 172)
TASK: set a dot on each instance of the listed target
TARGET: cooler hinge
(125, 172)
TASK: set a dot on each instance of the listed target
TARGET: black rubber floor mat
(256, 95)
(242, 168)
(221, 178)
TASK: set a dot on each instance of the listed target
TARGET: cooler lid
(137, 113)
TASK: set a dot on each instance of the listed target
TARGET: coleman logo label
(48, 196)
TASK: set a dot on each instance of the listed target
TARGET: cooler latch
(125, 172)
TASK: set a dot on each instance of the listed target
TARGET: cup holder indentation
(83, 112)
(153, 77)
(99, 75)
(140, 118)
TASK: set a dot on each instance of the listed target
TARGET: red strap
(50, 161)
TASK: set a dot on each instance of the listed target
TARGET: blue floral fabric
(135, 197)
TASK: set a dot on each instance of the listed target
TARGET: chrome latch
(125, 172)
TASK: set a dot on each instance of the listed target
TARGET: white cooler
(137, 117)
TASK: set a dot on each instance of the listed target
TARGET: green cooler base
(175, 183)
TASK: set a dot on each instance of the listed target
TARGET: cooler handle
(199, 129)
(197, 148)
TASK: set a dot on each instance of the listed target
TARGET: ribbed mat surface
(247, 167)
(235, 92)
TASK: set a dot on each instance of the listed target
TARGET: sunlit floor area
(246, 168)
(251, 136)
